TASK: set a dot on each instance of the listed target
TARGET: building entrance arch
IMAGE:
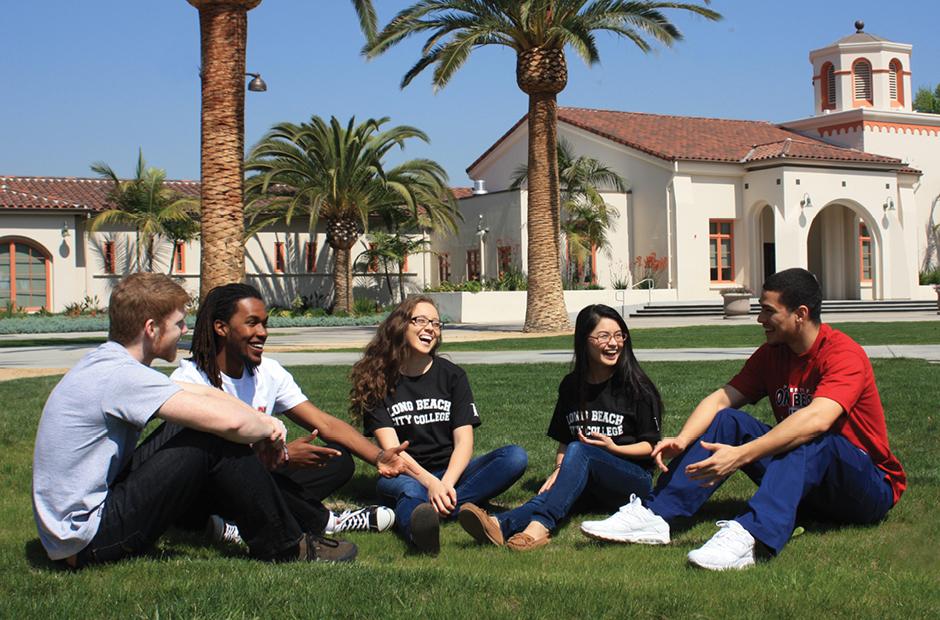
(843, 248)
(25, 274)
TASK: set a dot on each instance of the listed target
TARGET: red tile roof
(68, 192)
(675, 138)
(461, 192)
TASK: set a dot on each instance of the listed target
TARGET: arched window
(861, 81)
(24, 274)
(896, 82)
(827, 86)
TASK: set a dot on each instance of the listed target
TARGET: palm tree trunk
(223, 31)
(342, 281)
(542, 74)
(545, 300)
(401, 282)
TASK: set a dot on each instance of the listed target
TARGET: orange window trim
(717, 239)
(179, 257)
(280, 258)
(109, 262)
(48, 266)
(311, 256)
(862, 239)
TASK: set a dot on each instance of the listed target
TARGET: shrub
(649, 268)
(363, 306)
(930, 276)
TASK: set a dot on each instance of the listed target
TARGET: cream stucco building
(850, 193)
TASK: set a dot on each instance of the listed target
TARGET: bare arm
(639, 449)
(800, 427)
(697, 424)
(559, 458)
(228, 418)
(306, 414)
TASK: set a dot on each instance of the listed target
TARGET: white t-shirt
(269, 389)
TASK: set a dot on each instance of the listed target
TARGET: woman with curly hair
(606, 421)
(402, 392)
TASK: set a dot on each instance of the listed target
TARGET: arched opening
(861, 83)
(842, 251)
(25, 274)
(768, 247)
(827, 86)
(896, 83)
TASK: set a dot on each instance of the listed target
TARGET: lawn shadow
(37, 557)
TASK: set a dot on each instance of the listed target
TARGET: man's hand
(666, 449)
(390, 463)
(550, 481)
(724, 461)
(442, 496)
(303, 452)
(270, 453)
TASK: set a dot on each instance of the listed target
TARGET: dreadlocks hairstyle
(219, 305)
(628, 375)
(376, 374)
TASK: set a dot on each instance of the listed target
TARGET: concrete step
(840, 306)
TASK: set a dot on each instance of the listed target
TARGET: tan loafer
(478, 523)
(525, 542)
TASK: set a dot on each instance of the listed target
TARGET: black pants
(305, 488)
(169, 476)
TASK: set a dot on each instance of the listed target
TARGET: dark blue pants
(484, 478)
(827, 476)
(193, 469)
(588, 472)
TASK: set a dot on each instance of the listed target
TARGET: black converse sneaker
(368, 519)
(221, 531)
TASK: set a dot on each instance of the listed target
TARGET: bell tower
(862, 71)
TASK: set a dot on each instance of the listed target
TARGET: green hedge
(64, 324)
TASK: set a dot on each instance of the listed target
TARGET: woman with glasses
(606, 421)
(403, 392)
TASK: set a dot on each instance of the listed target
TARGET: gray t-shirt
(88, 431)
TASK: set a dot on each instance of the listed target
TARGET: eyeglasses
(605, 337)
(423, 321)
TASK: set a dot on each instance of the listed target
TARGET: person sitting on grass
(227, 353)
(827, 457)
(404, 392)
(98, 499)
(606, 421)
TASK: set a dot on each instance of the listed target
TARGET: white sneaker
(222, 531)
(633, 523)
(368, 519)
(732, 548)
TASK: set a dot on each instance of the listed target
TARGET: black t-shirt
(608, 410)
(425, 410)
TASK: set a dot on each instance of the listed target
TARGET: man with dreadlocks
(227, 348)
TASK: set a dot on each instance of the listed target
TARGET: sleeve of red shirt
(843, 379)
(751, 380)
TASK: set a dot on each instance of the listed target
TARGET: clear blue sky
(94, 80)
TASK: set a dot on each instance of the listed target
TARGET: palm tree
(394, 248)
(223, 30)
(145, 203)
(538, 31)
(335, 172)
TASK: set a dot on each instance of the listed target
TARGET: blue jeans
(484, 478)
(587, 470)
(827, 476)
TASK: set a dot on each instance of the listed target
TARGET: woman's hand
(596, 439)
(442, 496)
(303, 452)
(550, 481)
(390, 463)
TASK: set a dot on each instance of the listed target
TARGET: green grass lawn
(743, 334)
(888, 571)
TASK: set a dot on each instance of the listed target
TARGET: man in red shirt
(828, 453)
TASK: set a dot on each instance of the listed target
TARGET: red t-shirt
(837, 368)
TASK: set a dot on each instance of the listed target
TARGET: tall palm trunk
(223, 28)
(542, 74)
(341, 235)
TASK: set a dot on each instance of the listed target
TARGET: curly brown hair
(376, 374)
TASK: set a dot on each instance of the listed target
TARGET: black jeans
(189, 469)
(305, 488)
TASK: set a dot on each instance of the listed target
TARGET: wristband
(557, 467)
(378, 457)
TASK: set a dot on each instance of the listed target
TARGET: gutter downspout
(669, 192)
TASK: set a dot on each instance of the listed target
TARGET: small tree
(927, 101)
(145, 203)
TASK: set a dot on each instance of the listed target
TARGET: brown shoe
(525, 542)
(479, 524)
(315, 548)
(425, 529)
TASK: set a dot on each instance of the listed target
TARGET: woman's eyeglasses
(423, 321)
(605, 337)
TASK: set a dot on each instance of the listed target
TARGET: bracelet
(378, 457)
(557, 467)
